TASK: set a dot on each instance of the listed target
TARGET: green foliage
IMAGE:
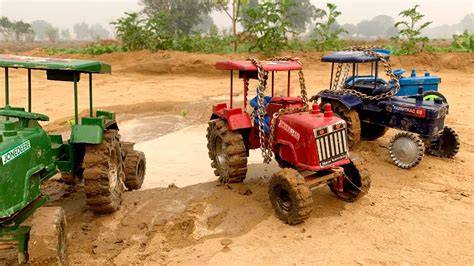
(268, 25)
(409, 40)
(20, 30)
(95, 49)
(326, 34)
(183, 14)
(463, 42)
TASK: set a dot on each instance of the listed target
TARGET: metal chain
(267, 150)
(388, 69)
(261, 112)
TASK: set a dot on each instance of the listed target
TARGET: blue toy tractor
(371, 105)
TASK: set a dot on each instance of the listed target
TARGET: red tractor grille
(331, 144)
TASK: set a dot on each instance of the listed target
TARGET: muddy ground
(424, 215)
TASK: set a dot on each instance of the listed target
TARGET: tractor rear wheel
(356, 181)
(406, 150)
(352, 120)
(103, 174)
(372, 131)
(291, 198)
(445, 144)
(48, 237)
(227, 152)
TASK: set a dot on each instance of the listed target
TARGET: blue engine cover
(409, 85)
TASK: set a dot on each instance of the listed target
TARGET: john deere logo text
(15, 152)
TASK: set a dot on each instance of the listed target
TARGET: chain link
(339, 88)
(261, 112)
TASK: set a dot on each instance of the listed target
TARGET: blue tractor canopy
(365, 74)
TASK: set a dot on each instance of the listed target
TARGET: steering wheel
(24, 115)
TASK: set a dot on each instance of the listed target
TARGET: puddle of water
(179, 157)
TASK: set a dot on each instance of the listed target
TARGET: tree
(82, 31)
(234, 14)
(467, 23)
(52, 34)
(409, 30)
(205, 26)
(326, 34)
(40, 27)
(301, 13)
(97, 32)
(65, 34)
(21, 29)
(183, 14)
(6, 28)
(268, 24)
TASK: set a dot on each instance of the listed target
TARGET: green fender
(87, 134)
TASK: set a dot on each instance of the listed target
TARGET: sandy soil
(424, 215)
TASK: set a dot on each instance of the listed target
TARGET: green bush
(95, 49)
(463, 42)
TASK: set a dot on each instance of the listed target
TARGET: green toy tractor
(29, 157)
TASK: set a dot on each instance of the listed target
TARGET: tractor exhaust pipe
(328, 110)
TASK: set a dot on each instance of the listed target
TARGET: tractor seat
(367, 87)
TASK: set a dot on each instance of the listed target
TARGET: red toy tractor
(310, 146)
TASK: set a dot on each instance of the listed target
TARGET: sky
(65, 13)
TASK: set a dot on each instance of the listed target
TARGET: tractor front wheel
(356, 181)
(135, 168)
(291, 198)
(227, 152)
(48, 237)
(445, 144)
(433, 95)
(406, 150)
(103, 174)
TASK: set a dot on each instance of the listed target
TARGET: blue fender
(348, 101)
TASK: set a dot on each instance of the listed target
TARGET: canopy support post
(376, 74)
(231, 88)
(288, 93)
(332, 73)
(273, 83)
(76, 111)
(29, 89)
(7, 89)
(245, 91)
(91, 111)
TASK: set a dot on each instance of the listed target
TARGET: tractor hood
(312, 140)
(25, 157)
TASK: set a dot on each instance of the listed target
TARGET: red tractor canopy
(248, 70)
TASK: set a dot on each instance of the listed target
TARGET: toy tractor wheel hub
(284, 199)
(221, 156)
(405, 149)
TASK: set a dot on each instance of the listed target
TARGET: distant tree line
(42, 30)
(266, 26)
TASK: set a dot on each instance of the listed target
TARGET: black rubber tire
(395, 154)
(48, 237)
(103, 174)
(231, 166)
(291, 198)
(135, 169)
(359, 183)
(435, 93)
(352, 120)
(445, 144)
(372, 131)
